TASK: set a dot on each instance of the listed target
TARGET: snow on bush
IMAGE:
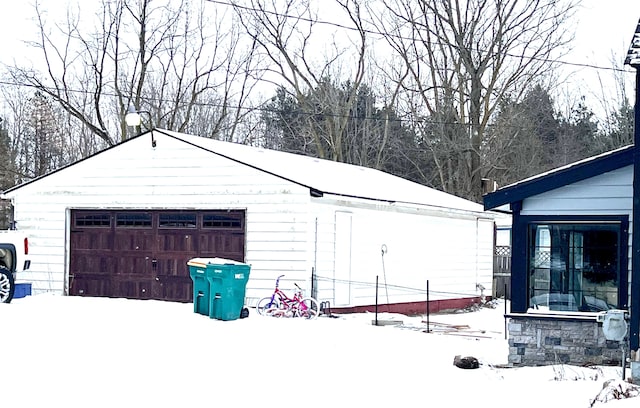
(616, 390)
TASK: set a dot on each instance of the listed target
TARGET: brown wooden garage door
(143, 254)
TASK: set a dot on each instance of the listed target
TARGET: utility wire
(401, 37)
(407, 289)
(324, 113)
(262, 108)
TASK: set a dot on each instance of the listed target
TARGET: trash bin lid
(203, 262)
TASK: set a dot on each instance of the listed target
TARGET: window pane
(222, 221)
(574, 267)
(93, 220)
(177, 220)
(137, 220)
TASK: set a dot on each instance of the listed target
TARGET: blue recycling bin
(219, 287)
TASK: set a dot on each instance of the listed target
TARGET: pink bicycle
(281, 305)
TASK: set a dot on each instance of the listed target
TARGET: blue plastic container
(22, 290)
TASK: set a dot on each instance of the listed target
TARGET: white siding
(174, 175)
(454, 252)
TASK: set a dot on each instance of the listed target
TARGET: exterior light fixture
(134, 119)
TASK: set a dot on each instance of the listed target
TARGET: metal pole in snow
(384, 274)
(376, 300)
(505, 311)
(428, 308)
(623, 344)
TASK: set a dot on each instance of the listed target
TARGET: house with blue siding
(571, 260)
(575, 256)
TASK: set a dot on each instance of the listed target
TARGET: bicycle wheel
(265, 304)
(309, 308)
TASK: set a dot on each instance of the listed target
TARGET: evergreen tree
(620, 129)
(7, 173)
(525, 137)
(371, 136)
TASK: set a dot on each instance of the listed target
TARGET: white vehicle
(14, 252)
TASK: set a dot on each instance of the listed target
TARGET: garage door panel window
(177, 220)
(93, 220)
(222, 221)
(134, 220)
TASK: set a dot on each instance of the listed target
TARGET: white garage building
(123, 223)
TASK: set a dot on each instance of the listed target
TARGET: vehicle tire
(7, 285)
(266, 304)
(311, 310)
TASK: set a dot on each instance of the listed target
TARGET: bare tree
(162, 57)
(468, 55)
(618, 123)
(213, 98)
(63, 52)
(284, 31)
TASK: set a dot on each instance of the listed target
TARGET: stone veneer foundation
(536, 340)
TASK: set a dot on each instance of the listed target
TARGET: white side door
(342, 256)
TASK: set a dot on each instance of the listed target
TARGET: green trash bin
(224, 290)
(201, 289)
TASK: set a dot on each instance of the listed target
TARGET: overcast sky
(604, 28)
(605, 25)
(603, 35)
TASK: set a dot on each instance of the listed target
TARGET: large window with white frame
(575, 267)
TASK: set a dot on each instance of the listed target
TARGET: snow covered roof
(561, 176)
(330, 177)
(322, 177)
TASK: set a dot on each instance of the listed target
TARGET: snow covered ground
(97, 352)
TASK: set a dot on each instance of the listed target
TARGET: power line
(262, 108)
(400, 288)
(379, 33)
